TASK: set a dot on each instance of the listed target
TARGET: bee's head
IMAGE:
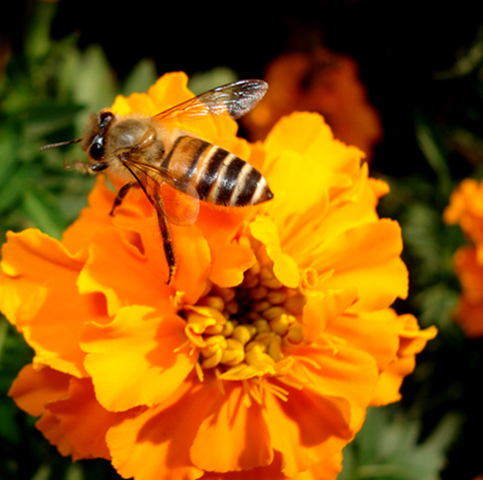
(94, 140)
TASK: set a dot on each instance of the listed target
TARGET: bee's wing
(180, 198)
(232, 100)
(178, 194)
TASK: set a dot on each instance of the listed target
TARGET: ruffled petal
(379, 274)
(239, 432)
(140, 358)
(377, 333)
(301, 148)
(327, 469)
(123, 274)
(411, 341)
(83, 421)
(284, 267)
(156, 443)
(33, 388)
(323, 308)
(301, 440)
(228, 264)
(270, 472)
(93, 219)
(46, 310)
(52, 430)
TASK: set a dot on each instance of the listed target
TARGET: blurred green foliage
(388, 448)
(46, 94)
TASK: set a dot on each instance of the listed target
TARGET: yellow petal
(284, 267)
(137, 359)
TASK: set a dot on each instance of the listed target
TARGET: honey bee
(143, 152)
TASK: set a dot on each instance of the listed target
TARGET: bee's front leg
(120, 196)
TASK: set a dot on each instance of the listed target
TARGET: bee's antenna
(60, 144)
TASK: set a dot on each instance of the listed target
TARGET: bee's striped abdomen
(218, 176)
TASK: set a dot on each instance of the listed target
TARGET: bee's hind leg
(121, 195)
(166, 234)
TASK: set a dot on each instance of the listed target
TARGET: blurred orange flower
(466, 209)
(320, 81)
(273, 339)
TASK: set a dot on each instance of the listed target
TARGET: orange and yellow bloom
(261, 358)
(466, 209)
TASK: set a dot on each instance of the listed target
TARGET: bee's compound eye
(96, 150)
(105, 119)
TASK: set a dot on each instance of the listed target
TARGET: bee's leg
(120, 196)
(166, 233)
(84, 167)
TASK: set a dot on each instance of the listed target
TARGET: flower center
(252, 325)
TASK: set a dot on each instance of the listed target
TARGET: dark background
(406, 52)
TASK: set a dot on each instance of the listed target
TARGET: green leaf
(202, 82)
(8, 428)
(8, 157)
(95, 86)
(13, 189)
(437, 303)
(44, 212)
(38, 41)
(434, 154)
(142, 76)
(388, 448)
(74, 472)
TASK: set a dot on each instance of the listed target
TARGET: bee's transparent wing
(177, 193)
(180, 198)
(232, 100)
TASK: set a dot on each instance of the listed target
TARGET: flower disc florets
(251, 325)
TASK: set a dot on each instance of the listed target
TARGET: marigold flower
(466, 209)
(320, 81)
(262, 356)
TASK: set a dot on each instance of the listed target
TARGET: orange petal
(28, 258)
(156, 443)
(137, 102)
(83, 420)
(52, 430)
(193, 259)
(169, 90)
(327, 469)
(124, 274)
(379, 274)
(270, 472)
(239, 432)
(322, 308)
(32, 391)
(134, 360)
(221, 225)
(191, 251)
(32, 388)
(229, 262)
(47, 310)
(376, 333)
(412, 341)
(307, 428)
(93, 219)
(349, 375)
